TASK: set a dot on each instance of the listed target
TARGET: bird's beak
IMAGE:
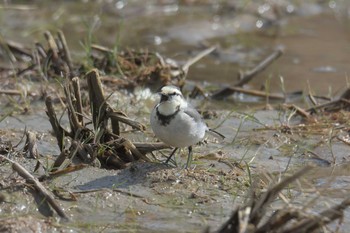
(163, 97)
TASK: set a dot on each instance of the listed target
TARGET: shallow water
(315, 37)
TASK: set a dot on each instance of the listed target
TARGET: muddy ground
(265, 138)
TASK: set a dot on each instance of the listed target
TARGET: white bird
(177, 123)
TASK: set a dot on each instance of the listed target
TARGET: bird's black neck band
(165, 119)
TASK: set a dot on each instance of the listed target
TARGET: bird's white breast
(181, 131)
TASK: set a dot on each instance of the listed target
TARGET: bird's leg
(189, 158)
(171, 155)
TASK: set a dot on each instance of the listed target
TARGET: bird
(176, 123)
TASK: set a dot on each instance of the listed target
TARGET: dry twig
(38, 186)
(342, 102)
(247, 76)
(249, 219)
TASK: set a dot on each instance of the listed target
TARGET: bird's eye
(174, 93)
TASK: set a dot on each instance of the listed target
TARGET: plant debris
(99, 141)
(254, 217)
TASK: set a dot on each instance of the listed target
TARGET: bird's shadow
(133, 175)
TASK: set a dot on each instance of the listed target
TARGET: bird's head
(171, 99)
(170, 93)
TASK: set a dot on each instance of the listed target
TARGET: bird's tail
(216, 134)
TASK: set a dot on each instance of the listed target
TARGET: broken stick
(245, 77)
(38, 186)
